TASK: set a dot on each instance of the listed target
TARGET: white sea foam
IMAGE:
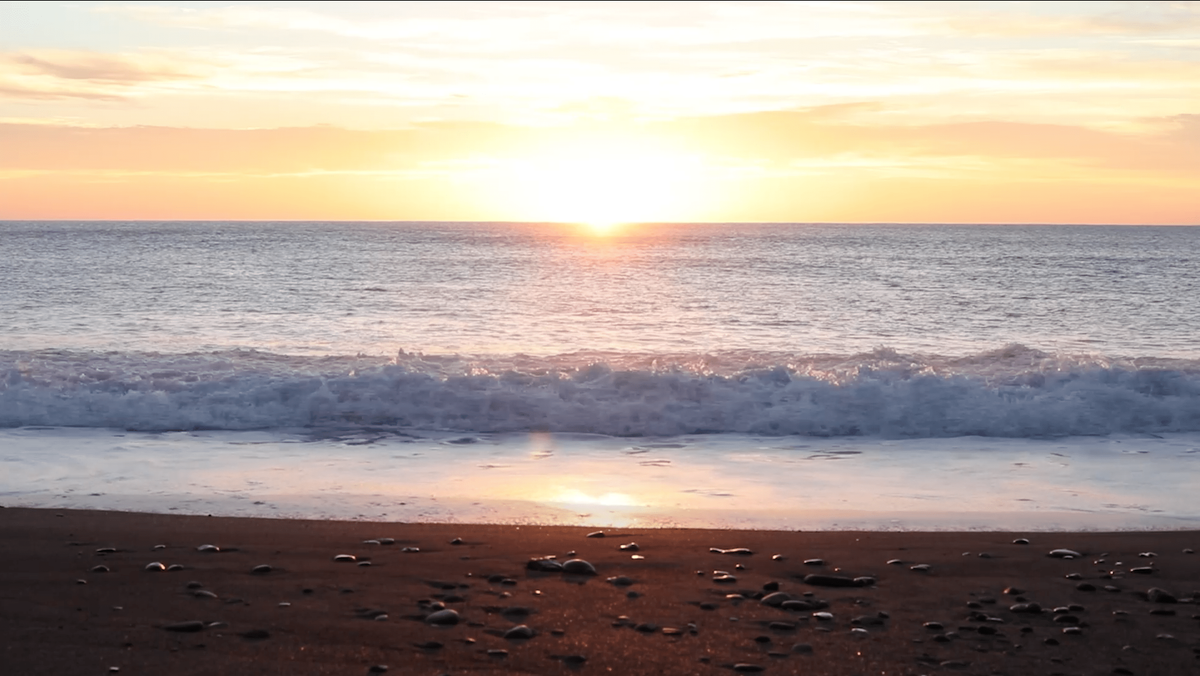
(1011, 392)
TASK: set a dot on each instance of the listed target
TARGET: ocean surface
(708, 345)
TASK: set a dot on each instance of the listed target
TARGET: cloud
(62, 74)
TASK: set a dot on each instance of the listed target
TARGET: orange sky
(602, 112)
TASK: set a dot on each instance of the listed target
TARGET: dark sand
(52, 624)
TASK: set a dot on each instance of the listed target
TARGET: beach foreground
(1127, 605)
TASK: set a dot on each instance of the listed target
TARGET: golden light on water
(574, 496)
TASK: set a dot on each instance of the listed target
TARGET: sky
(602, 112)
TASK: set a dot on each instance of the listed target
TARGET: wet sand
(311, 614)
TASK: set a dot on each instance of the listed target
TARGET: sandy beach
(80, 595)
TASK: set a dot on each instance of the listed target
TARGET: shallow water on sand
(722, 481)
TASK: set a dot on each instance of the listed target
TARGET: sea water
(815, 376)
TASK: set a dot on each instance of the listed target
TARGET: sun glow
(602, 186)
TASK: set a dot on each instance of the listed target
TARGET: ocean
(759, 375)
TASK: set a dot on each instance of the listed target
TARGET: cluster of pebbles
(645, 606)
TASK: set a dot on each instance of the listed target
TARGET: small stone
(984, 555)
(1086, 587)
(778, 557)
(174, 568)
(775, 599)
(1052, 640)
(262, 569)
(1072, 630)
(410, 550)
(595, 534)
(445, 617)
(1026, 608)
(823, 616)
(185, 627)
(895, 562)
(1156, 595)
(859, 632)
(387, 541)
(1189, 550)
(620, 581)
(256, 634)
(520, 631)
(81, 581)
(106, 550)
(1013, 591)
(544, 565)
(814, 562)
(1147, 555)
(802, 648)
(1064, 554)
(723, 577)
(629, 547)
(771, 586)
(573, 659)
(377, 669)
(578, 567)
(345, 558)
(1167, 612)
(933, 626)
(208, 549)
(100, 569)
(646, 627)
(154, 567)
(1021, 541)
(782, 626)
(831, 581)
(203, 594)
(456, 541)
(921, 567)
(747, 668)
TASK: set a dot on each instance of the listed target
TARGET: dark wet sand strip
(85, 592)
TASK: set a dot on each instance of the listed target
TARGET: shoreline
(313, 615)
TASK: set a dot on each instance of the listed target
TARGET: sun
(601, 186)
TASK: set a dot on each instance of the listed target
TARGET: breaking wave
(1015, 391)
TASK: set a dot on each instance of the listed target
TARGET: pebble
(1189, 550)
(595, 534)
(456, 541)
(858, 632)
(823, 616)
(262, 569)
(1072, 630)
(775, 599)
(578, 567)
(629, 547)
(771, 586)
(185, 627)
(802, 648)
(781, 626)
(1028, 608)
(1086, 587)
(345, 558)
(106, 550)
(933, 626)
(736, 551)
(573, 659)
(1064, 554)
(814, 562)
(208, 549)
(377, 668)
(921, 567)
(1156, 595)
(497, 652)
(100, 569)
(155, 567)
(387, 541)
(1021, 541)
(817, 580)
(544, 565)
(370, 542)
(193, 585)
(81, 581)
(723, 577)
(444, 617)
(410, 550)
(778, 557)
(620, 581)
(1147, 555)
(203, 594)
(174, 567)
(747, 668)
(1142, 570)
(520, 631)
